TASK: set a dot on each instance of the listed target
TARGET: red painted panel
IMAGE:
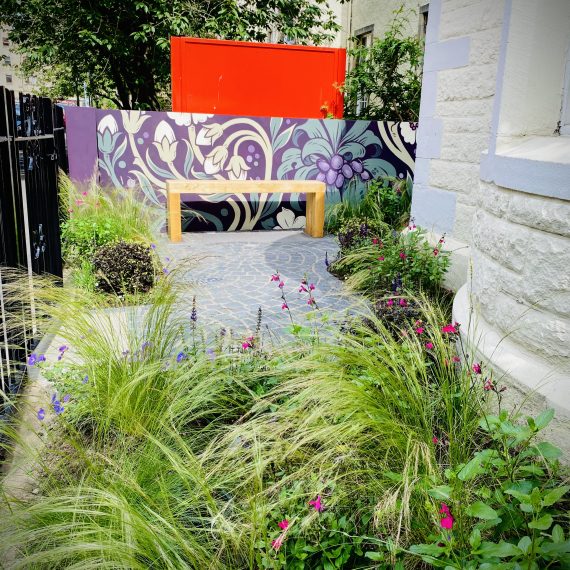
(259, 79)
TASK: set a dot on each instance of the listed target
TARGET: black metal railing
(32, 149)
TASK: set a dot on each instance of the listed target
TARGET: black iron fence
(32, 149)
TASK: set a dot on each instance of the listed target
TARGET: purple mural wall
(135, 149)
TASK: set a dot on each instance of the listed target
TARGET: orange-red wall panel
(259, 79)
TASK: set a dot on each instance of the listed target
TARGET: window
(5, 41)
(7, 60)
(424, 12)
(8, 79)
(363, 38)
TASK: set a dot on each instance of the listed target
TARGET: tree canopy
(120, 49)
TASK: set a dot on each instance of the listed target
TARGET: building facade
(10, 61)
(493, 172)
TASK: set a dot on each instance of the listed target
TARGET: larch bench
(314, 190)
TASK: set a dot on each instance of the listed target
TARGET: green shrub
(397, 262)
(124, 268)
(393, 198)
(358, 231)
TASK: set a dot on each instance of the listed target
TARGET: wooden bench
(314, 190)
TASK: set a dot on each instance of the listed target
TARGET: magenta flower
(390, 302)
(281, 284)
(420, 330)
(375, 241)
(302, 289)
(488, 385)
(284, 524)
(435, 251)
(312, 287)
(444, 509)
(447, 522)
(41, 414)
(317, 504)
(245, 345)
(403, 303)
(284, 306)
(278, 542)
(311, 301)
(381, 258)
(403, 255)
(449, 329)
(476, 368)
(275, 277)
(429, 345)
(434, 440)
(456, 359)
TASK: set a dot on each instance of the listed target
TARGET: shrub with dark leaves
(124, 268)
(359, 231)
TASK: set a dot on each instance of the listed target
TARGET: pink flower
(312, 287)
(310, 301)
(403, 255)
(70, 210)
(79, 202)
(444, 509)
(449, 329)
(476, 368)
(390, 302)
(284, 524)
(281, 284)
(84, 193)
(302, 289)
(278, 542)
(375, 241)
(245, 345)
(284, 306)
(275, 277)
(403, 303)
(381, 258)
(447, 522)
(488, 385)
(429, 345)
(435, 251)
(434, 440)
(420, 330)
(456, 359)
(317, 504)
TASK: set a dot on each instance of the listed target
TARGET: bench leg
(174, 216)
(315, 226)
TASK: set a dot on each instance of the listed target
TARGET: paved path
(230, 273)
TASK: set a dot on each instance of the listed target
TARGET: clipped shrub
(124, 268)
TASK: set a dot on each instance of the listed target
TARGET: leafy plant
(395, 262)
(387, 76)
(124, 268)
(358, 231)
(506, 506)
(392, 197)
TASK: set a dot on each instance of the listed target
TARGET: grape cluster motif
(338, 169)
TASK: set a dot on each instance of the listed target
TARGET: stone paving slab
(229, 273)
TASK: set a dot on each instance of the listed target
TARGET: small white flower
(187, 119)
(287, 220)
(208, 134)
(215, 160)
(237, 168)
(108, 123)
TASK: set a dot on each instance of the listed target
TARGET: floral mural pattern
(144, 149)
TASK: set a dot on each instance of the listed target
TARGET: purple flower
(32, 359)
(63, 348)
(211, 354)
(152, 246)
(66, 398)
(181, 356)
(85, 379)
(144, 346)
(41, 414)
(41, 358)
(57, 407)
(165, 271)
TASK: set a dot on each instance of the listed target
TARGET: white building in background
(10, 76)
(493, 172)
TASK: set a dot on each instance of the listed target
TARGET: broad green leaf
(557, 533)
(543, 523)
(428, 549)
(555, 548)
(524, 544)
(500, 550)
(543, 419)
(481, 511)
(376, 556)
(441, 492)
(547, 450)
(475, 538)
(555, 495)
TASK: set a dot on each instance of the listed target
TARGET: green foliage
(393, 198)
(356, 232)
(124, 268)
(121, 50)
(507, 502)
(388, 75)
(95, 217)
(397, 262)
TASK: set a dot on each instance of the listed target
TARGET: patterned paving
(229, 273)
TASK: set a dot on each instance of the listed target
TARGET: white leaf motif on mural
(187, 119)
(408, 132)
(287, 220)
(208, 134)
(215, 160)
(108, 123)
(165, 142)
(237, 168)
